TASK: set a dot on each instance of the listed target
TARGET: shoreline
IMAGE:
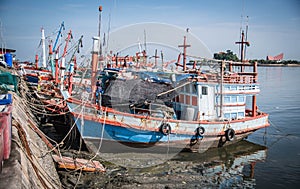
(279, 65)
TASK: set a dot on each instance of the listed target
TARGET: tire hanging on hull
(165, 129)
(229, 134)
(200, 131)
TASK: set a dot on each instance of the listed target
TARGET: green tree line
(229, 55)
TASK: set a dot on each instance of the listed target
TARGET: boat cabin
(206, 97)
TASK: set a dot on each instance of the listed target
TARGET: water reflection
(227, 167)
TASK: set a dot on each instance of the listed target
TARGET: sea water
(280, 97)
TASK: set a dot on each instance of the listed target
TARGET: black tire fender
(200, 131)
(229, 134)
(165, 128)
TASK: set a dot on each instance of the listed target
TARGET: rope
(173, 89)
(102, 134)
(40, 168)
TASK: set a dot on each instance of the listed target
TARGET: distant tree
(228, 55)
(285, 62)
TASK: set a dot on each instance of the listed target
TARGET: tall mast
(242, 43)
(63, 60)
(155, 58)
(51, 59)
(56, 66)
(55, 50)
(184, 52)
(94, 65)
(44, 48)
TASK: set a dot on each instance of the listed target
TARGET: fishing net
(8, 82)
(120, 94)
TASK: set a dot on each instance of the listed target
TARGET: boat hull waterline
(144, 131)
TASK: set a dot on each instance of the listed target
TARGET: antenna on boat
(145, 41)
(145, 50)
(108, 31)
(246, 37)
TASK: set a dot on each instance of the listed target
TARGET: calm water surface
(280, 97)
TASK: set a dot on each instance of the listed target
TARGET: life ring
(230, 134)
(200, 131)
(165, 129)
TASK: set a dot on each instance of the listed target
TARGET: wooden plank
(77, 163)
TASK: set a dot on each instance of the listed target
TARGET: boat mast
(221, 88)
(99, 30)
(72, 65)
(94, 65)
(51, 59)
(55, 72)
(56, 66)
(155, 58)
(44, 48)
(254, 108)
(63, 60)
(71, 73)
(242, 43)
(184, 52)
(36, 61)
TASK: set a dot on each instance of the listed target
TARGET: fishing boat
(211, 104)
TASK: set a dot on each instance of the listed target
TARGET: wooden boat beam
(254, 107)
(94, 63)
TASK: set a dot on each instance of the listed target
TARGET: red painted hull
(5, 125)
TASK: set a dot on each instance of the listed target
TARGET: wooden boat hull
(96, 126)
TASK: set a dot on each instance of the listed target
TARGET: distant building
(276, 58)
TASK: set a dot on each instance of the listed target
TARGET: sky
(273, 26)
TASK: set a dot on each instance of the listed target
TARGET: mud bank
(228, 167)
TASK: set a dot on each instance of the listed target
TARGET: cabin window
(241, 114)
(241, 99)
(233, 99)
(227, 115)
(233, 115)
(227, 99)
(204, 90)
